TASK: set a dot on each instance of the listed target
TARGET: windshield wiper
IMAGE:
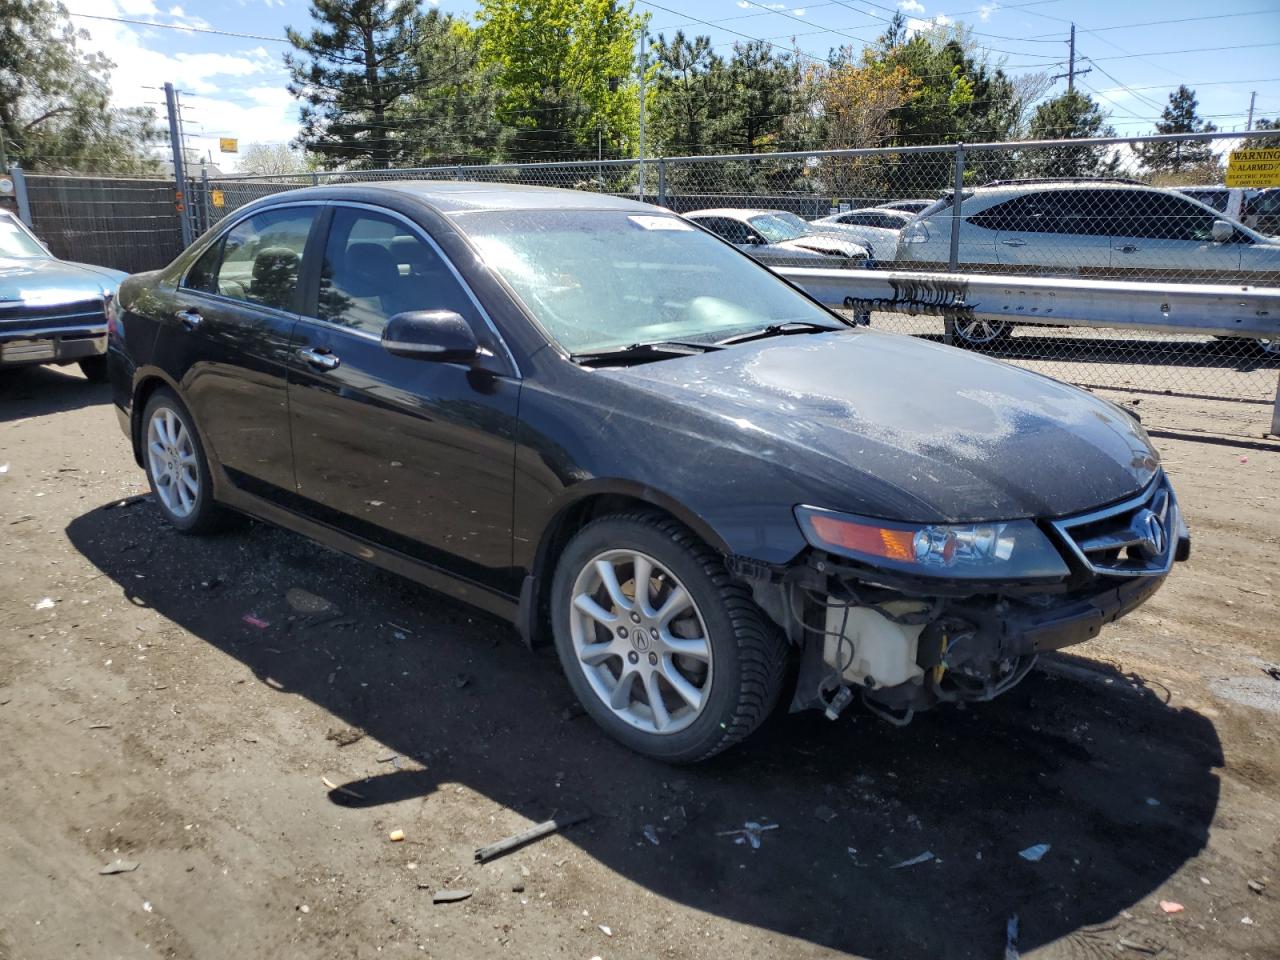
(782, 329)
(645, 352)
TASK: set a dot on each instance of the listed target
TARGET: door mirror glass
(430, 335)
(1222, 231)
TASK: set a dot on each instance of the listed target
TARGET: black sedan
(604, 424)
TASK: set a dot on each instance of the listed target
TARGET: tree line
(386, 83)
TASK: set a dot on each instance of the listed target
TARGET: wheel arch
(588, 501)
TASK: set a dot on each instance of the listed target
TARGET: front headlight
(1015, 549)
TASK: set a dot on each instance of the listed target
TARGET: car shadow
(1120, 785)
(36, 391)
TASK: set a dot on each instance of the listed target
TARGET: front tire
(665, 651)
(977, 333)
(176, 465)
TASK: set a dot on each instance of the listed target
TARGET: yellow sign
(1254, 168)
(216, 198)
(229, 145)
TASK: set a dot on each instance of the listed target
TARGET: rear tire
(694, 642)
(94, 368)
(977, 333)
(176, 465)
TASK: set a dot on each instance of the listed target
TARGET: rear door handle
(320, 359)
(1014, 243)
(190, 318)
(1129, 248)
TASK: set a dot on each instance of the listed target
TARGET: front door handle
(1129, 248)
(190, 318)
(1014, 243)
(320, 359)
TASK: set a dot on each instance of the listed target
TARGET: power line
(175, 26)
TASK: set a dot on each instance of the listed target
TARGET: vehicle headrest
(371, 270)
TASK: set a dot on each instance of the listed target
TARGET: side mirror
(440, 335)
(1222, 231)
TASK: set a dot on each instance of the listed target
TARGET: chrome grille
(17, 316)
(1136, 538)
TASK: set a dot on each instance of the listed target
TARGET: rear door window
(258, 260)
(1165, 216)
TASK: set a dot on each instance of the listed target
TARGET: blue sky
(235, 86)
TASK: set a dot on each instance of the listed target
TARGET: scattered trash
(1247, 921)
(344, 790)
(923, 858)
(389, 758)
(46, 604)
(517, 888)
(1257, 886)
(1152, 802)
(450, 896)
(750, 833)
(395, 836)
(1034, 853)
(1272, 671)
(1205, 881)
(1127, 944)
(536, 832)
(396, 626)
(302, 601)
(119, 866)
(1244, 459)
(146, 905)
(99, 726)
(825, 814)
(253, 621)
(303, 908)
(273, 683)
(249, 738)
(608, 932)
(1171, 906)
(345, 736)
(4, 468)
(651, 834)
(1011, 938)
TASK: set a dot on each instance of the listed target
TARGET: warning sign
(1254, 168)
(217, 199)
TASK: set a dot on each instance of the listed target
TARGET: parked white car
(1091, 227)
(779, 238)
(1256, 208)
(875, 228)
(906, 206)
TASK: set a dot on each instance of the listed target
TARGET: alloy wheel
(979, 332)
(171, 457)
(640, 641)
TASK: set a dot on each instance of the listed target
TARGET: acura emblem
(1147, 527)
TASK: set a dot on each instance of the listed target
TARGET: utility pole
(1072, 72)
(1253, 98)
(643, 64)
(179, 164)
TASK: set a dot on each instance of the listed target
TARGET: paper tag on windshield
(659, 223)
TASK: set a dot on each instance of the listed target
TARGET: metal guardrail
(1211, 309)
(1184, 308)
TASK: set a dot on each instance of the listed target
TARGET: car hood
(900, 428)
(51, 281)
(830, 246)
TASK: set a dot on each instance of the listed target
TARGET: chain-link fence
(1145, 209)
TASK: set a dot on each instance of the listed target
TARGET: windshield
(16, 242)
(776, 228)
(597, 280)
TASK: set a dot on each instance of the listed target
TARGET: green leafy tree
(271, 160)
(351, 71)
(1179, 156)
(565, 74)
(1071, 116)
(1263, 143)
(450, 114)
(55, 99)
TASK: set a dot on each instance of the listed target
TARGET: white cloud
(986, 10)
(916, 25)
(911, 6)
(941, 20)
(799, 11)
(239, 92)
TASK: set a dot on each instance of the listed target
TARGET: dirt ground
(142, 718)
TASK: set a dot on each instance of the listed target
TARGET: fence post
(953, 255)
(20, 194)
(206, 199)
(179, 165)
(1275, 410)
(315, 178)
(662, 181)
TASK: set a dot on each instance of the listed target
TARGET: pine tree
(1072, 116)
(1177, 156)
(351, 71)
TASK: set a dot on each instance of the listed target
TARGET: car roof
(453, 197)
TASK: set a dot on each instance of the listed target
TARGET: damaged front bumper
(905, 644)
